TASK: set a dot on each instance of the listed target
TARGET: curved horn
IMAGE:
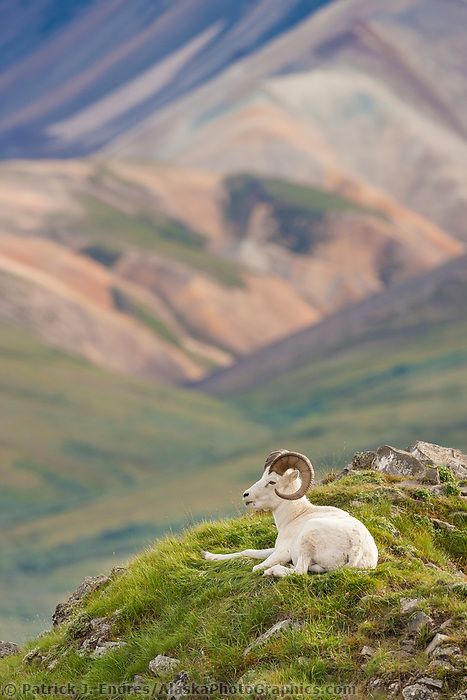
(272, 456)
(292, 460)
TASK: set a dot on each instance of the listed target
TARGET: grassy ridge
(170, 601)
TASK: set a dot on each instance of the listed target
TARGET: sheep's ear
(290, 475)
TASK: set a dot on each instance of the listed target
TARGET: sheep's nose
(246, 494)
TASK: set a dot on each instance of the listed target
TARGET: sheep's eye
(271, 483)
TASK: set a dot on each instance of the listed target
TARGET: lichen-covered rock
(162, 664)
(391, 460)
(94, 633)
(33, 656)
(8, 649)
(418, 691)
(446, 456)
(362, 460)
(435, 643)
(63, 611)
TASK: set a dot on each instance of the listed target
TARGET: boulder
(391, 460)
(437, 455)
(8, 649)
(418, 691)
(161, 664)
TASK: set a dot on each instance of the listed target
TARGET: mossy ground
(206, 613)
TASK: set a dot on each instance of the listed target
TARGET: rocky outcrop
(64, 611)
(449, 457)
(8, 649)
(422, 462)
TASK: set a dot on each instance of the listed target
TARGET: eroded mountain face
(170, 273)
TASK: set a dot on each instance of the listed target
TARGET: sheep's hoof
(206, 555)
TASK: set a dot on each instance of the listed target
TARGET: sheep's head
(287, 475)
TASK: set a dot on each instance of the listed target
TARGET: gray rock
(63, 611)
(431, 476)
(442, 524)
(417, 691)
(431, 682)
(435, 643)
(272, 632)
(446, 651)
(437, 665)
(393, 688)
(391, 460)
(446, 456)
(367, 651)
(362, 460)
(93, 633)
(179, 685)
(32, 656)
(409, 605)
(161, 664)
(139, 680)
(8, 649)
(418, 622)
(105, 647)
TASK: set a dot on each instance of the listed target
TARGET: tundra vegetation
(362, 627)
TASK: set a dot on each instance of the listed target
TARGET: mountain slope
(169, 601)
(423, 303)
(108, 65)
(387, 370)
(99, 258)
(92, 466)
(360, 93)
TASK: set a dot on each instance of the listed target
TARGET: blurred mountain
(344, 94)
(121, 60)
(423, 305)
(98, 257)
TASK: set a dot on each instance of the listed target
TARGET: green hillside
(93, 465)
(405, 378)
(170, 601)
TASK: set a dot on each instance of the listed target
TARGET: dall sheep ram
(313, 538)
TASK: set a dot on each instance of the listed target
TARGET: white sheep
(313, 538)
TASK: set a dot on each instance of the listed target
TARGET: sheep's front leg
(279, 571)
(252, 553)
(276, 557)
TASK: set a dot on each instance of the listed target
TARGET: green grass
(112, 230)
(205, 614)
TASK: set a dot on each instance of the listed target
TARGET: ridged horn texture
(281, 460)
